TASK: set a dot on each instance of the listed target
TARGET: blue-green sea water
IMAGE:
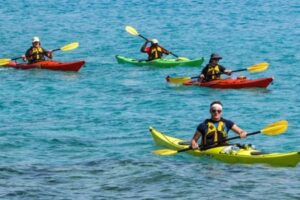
(85, 135)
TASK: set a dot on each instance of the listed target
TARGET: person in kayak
(154, 51)
(213, 71)
(36, 53)
(215, 130)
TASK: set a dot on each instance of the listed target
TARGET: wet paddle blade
(258, 67)
(4, 61)
(131, 30)
(275, 128)
(70, 46)
(178, 80)
(165, 152)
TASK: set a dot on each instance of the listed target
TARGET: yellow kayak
(246, 155)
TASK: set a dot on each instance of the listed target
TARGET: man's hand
(24, 58)
(50, 54)
(243, 134)
(195, 145)
(228, 72)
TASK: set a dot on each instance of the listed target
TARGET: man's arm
(239, 131)
(195, 139)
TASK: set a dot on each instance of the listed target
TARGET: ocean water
(85, 135)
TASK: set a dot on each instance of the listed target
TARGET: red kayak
(233, 83)
(49, 64)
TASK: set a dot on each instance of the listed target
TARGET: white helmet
(154, 41)
(35, 39)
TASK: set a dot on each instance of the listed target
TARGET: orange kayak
(49, 64)
(233, 83)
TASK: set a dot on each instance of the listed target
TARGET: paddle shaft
(240, 70)
(159, 46)
(233, 138)
(237, 137)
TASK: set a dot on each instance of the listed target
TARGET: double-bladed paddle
(68, 47)
(275, 128)
(252, 69)
(134, 32)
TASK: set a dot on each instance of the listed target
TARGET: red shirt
(148, 50)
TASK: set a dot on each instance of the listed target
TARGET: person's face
(36, 44)
(216, 113)
(215, 61)
(154, 44)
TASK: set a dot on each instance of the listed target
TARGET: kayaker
(213, 70)
(154, 51)
(36, 53)
(214, 131)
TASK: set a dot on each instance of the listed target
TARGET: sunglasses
(216, 111)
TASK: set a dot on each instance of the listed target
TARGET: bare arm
(195, 139)
(239, 131)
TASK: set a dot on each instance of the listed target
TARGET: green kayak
(160, 62)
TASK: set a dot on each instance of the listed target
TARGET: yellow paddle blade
(178, 80)
(275, 128)
(183, 59)
(165, 152)
(131, 30)
(258, 67)
(4, 61)
(70, 46)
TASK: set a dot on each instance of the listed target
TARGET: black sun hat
(215, 56)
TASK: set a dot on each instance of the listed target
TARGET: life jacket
(213, 73)
(214, 136)
(155, 52)
(37, 54)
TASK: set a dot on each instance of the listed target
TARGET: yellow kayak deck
(244, 156)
